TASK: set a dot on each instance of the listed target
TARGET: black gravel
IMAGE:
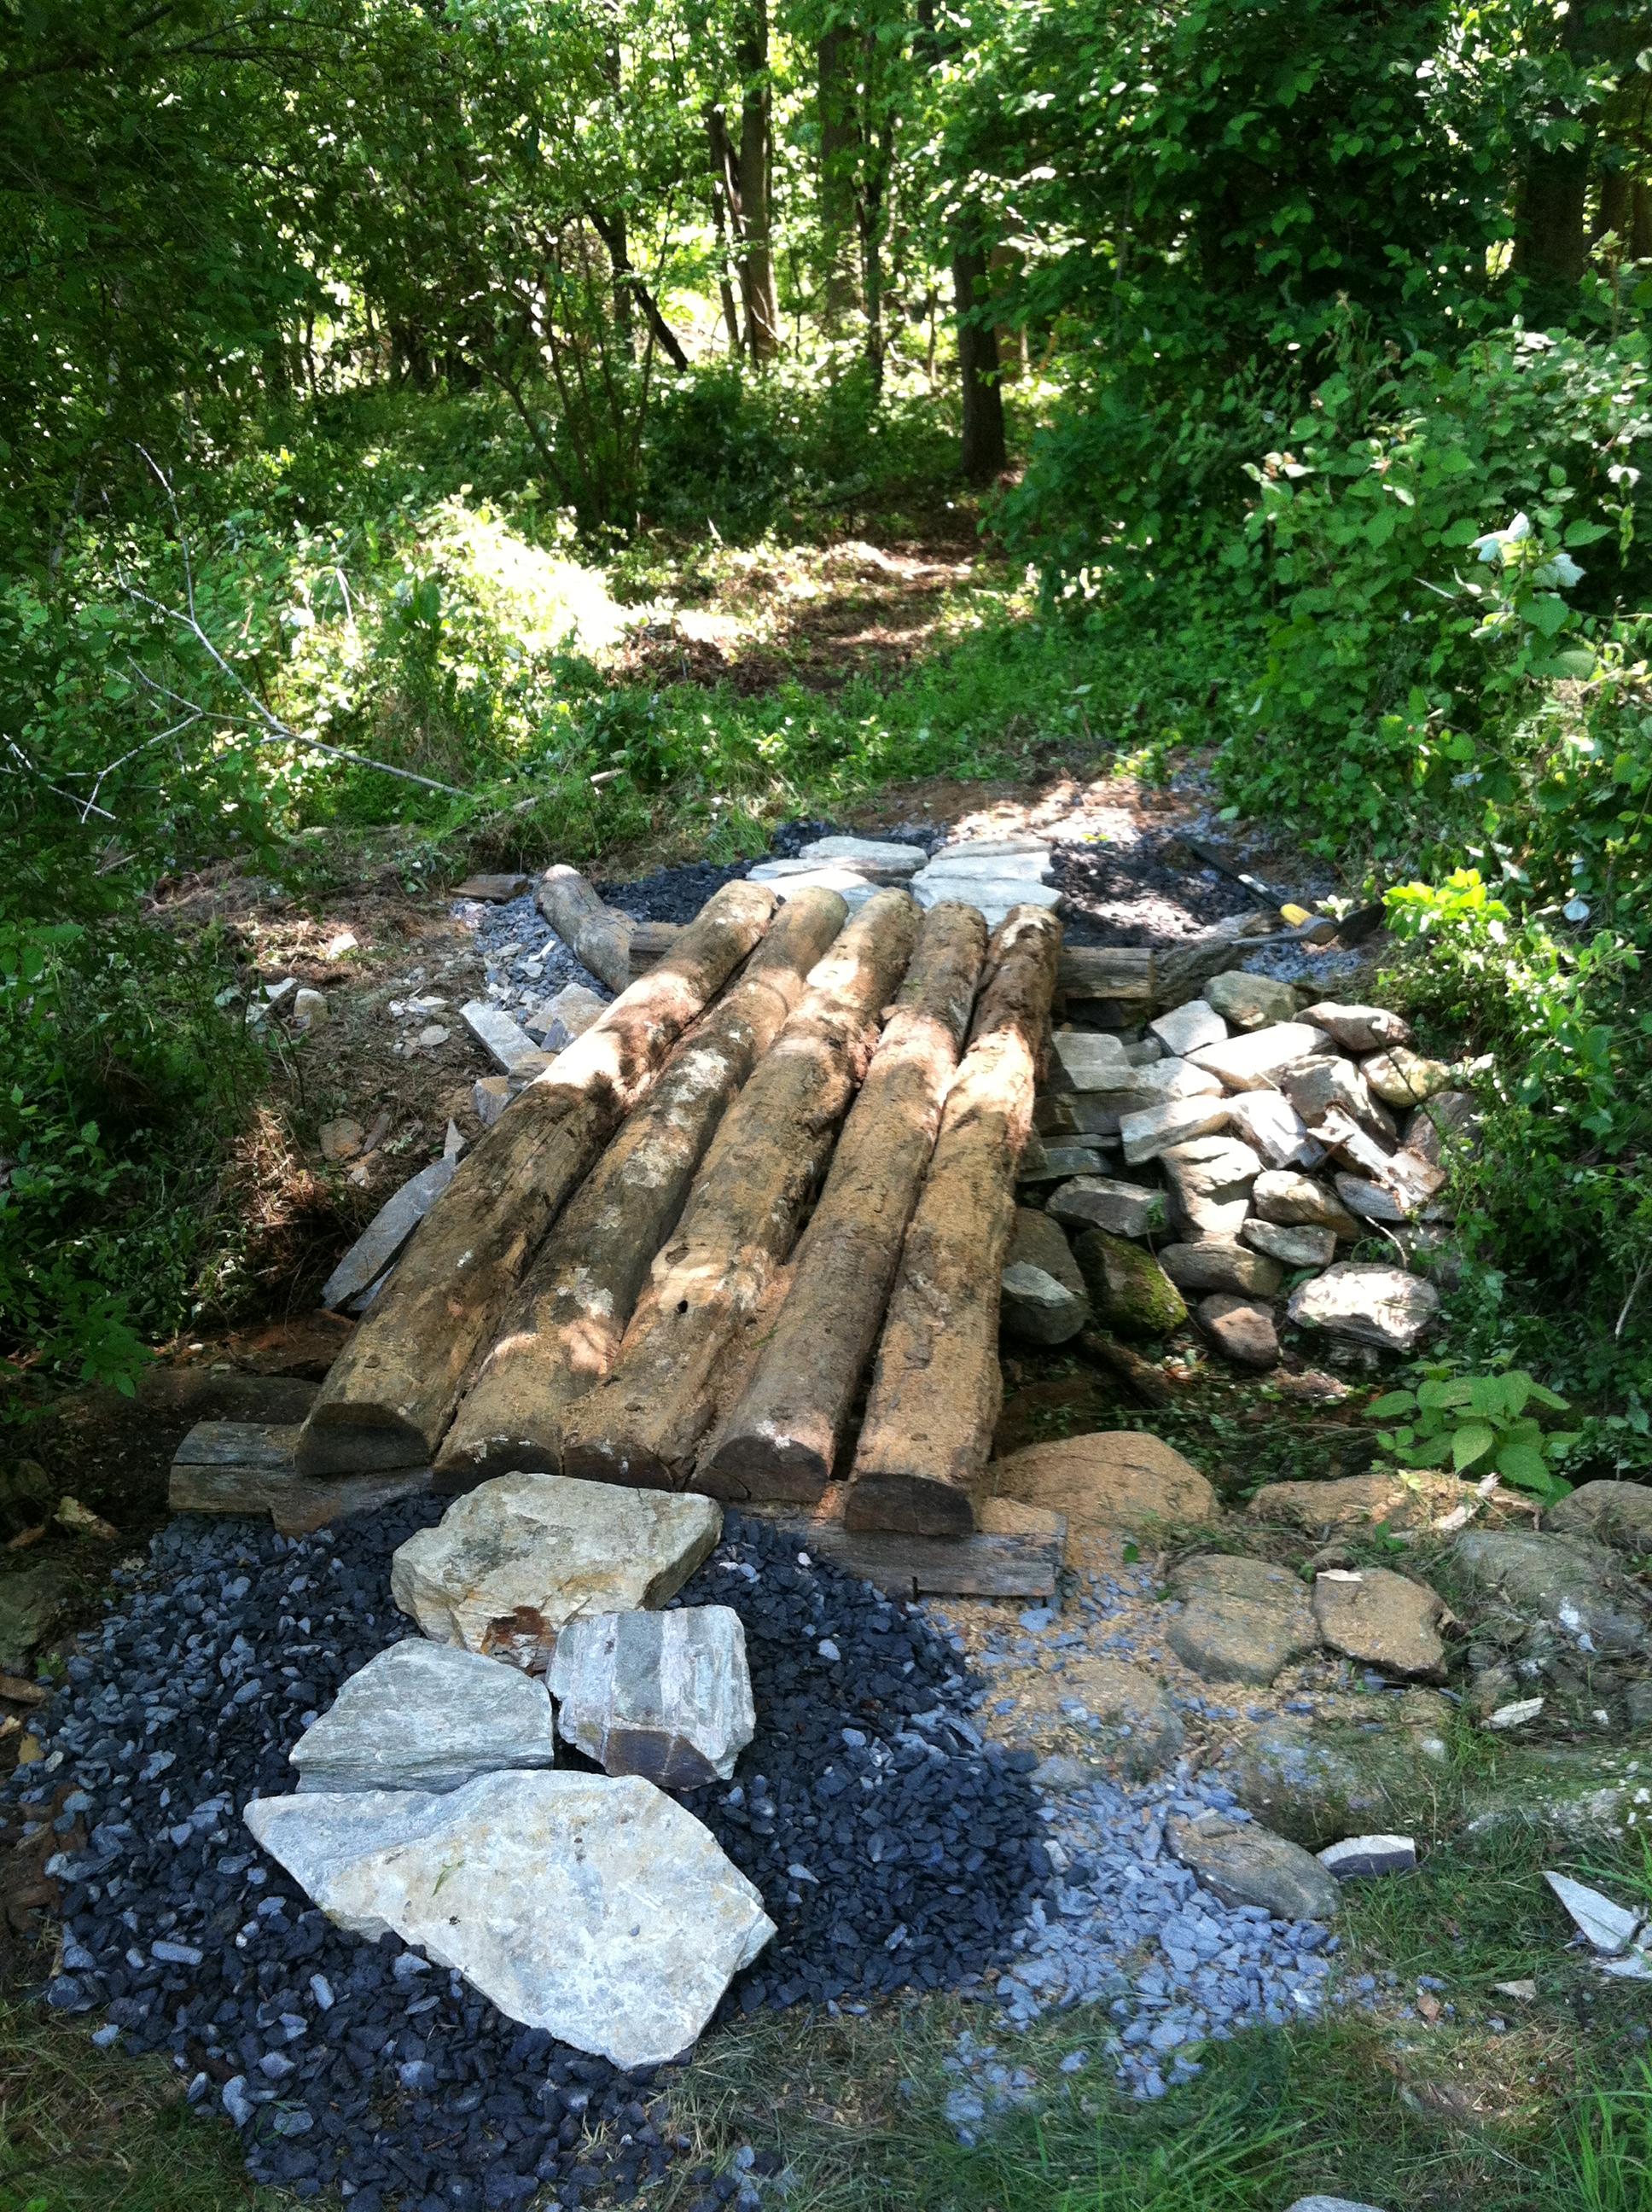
(678, 894)
(892, 1848)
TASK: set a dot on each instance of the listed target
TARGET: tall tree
(755, 172)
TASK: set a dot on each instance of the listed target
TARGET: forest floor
(1449, 2095)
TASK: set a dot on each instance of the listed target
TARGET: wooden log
(782, 1439)
(391, 1391)
(1122, 973)
(561, 1332)
(646, 1424)
(936, 1387)
(650, 942)
(600, 937)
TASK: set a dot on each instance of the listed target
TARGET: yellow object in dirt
(1295, 915)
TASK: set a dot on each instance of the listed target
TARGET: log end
(907, 1505)
(464, 1466)
(604, 1459)
(754, 1466)
(358, 1437)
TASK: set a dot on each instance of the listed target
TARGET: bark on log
(645, 1426)
(782, 1439)
(936, 1388)
(391, 1391)
(650, 942)
(561, 1332)
(600, 937)
(1120, 973)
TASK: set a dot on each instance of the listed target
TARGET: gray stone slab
(424, 1715)
(664, 1695)
(506, 1042)
(386, 1234)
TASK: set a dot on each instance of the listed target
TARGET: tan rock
(1242, 1619)
(1403, 1077)
(1296, 1201)
(1211, 1180)
(1241, 1328)
(341, 1139)
(1383, 1620)
(1250, 1002)
(1410, 1499)
(1359, 1029)
(1216, 1263)
(1251, 1062)
(1116, 1479)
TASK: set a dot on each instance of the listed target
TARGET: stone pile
(1222, 1161)
(992, 874)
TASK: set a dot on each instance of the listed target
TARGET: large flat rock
(599, 1910)
(1384, 1620)
(1117, 1479)
(1383, 1306)
(664, 1695)
(514, 1560)
(1242, 1619)
(1244, 1864)
(427, 1716)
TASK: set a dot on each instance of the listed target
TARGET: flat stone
(1042, 1163)
(1241, 1620)
(1101, 1112)
(1401, 1077)
(1186, 1028)
(1367, 1858)
(34, 1599)
(1416, 1499)
(1373, 1762)
(386, 1234)
(1382, 1306)
(599, 1910)
(1250, 1002)
(1244, 1864)
(1615, 1513)
(1321, 2203)
(490, 1095)
(994, 893)
(664, 1695)
(787, 878)
(1044, 1300)
(556, 1021)
(1359, 1029)
(1211, 1180)
(1088, 1059)
(1292, 1248)
(1608, 1926)
(1251, 1062)
(983, 863)
(341, 1139)
(1370, 1201)
(1384, 1620)
(514, 1560)
(496, 890)
(505, 1043)
(1296, 1201)
(1113, 1478)
(1559, 1594)
(1241, 1328)
(992, 848)
(878, 860)
(1317, 1085)
(1127, 1287)
(1217, 1264)
(1131, 1722)
(427, 1716)
(1124, 1209)
(1270, 1125)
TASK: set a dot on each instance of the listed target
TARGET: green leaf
(1471, 1442)
(1392, 1402)
(1524, 1466)
(1434, 1396)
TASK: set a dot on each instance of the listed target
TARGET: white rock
(993, 848)
(567, 1014)
(310, 1009)
(515, 1559)
(992, 894)
(490, 1095)
(1185, 1028)
(1211, 1180)
(1359, 1029)
(1609, 1928)
(1382, 1306)
(995, 858)
(506, 1042)
(599, 1910)
(1515, 1715)
(875, 858)
(1156, 1130)
(435, 1034)
(425, 1716)
(1088, 1059)
(1272, 1125)
(1330, 2204)
(664, 1695)
(1359, 1858)
(853, 888)
(1250, 1063)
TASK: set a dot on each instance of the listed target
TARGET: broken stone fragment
(1314, 1085)
(341, 1139)
(568, 1013)
(1296, 1201)
(1250, 1002)
(1217, 1264)
(1211, 1180)
(310, 1009)
(1046, 1164)
(1186, 1028)
(877, 859)
(599, 1910)
(1359, 1029)
(1292, 1248)
(1153, 1132)
(664, 1695)
(1088, 1059)
(1270, 1123)
(1365, 1858)
(1241, 1328)
(1384, 1620)
(490, 1095)
(506, 1042)
(1251, 1062)
(514, 1560)
(1124, 1209)
(386, 1234)
(1382, 1306)
(1044, 1300)
(1401, 1077)
(424, 1715)
(1244, 1864)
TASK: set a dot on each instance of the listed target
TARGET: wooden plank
(1015, 1554)
(650, 942)
(1123, 972)
(249, 1467)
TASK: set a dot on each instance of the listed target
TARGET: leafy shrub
(1477, 1425)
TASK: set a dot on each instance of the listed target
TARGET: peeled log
(561, 1332)
(936, 1388)
(645, 1426)
(782, 1439)
(600, 937)
(391, 1391)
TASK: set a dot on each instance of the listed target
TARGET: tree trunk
(782, 1439)
(598, 936)
(835, 101)
(756, 251)
(868, 217)
(561, 1332)
(1551, 242)
(391, 1391)
(644, 1426)
(1640, 225)
(936, 1390)
(983, 455)
(725, 220)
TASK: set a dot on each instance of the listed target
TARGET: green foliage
(1476, 1425)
